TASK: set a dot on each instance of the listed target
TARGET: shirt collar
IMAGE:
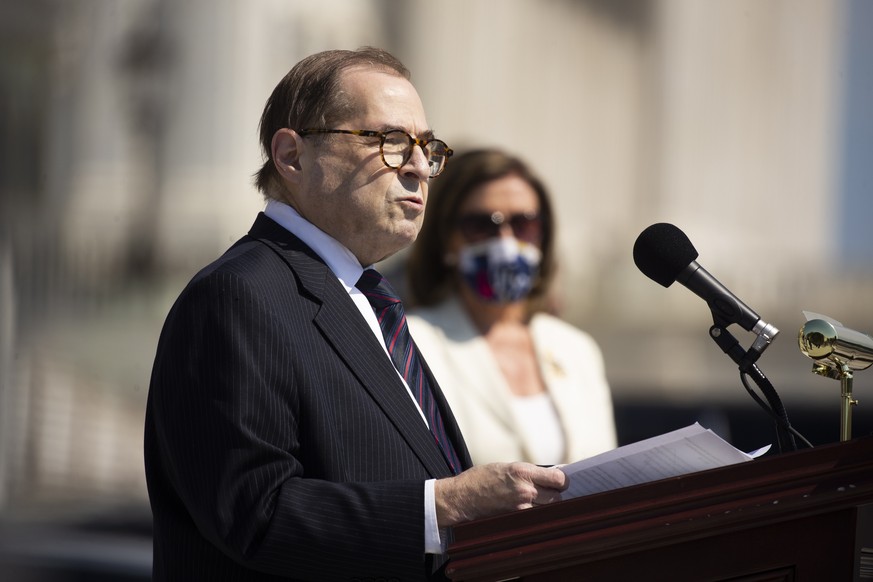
(339, 259)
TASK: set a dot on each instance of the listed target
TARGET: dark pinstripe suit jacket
(279, 440)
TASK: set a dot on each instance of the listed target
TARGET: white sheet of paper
(682, 451)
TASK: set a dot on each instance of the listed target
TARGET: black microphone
(664, 254)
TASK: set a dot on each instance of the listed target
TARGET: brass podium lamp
(837, 352)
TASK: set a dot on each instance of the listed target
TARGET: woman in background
(522, 383)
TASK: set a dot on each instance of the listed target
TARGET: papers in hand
(680, 452)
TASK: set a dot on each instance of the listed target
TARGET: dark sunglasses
(479, 226)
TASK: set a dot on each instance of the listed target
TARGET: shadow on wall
(746, 426)
(111, 548)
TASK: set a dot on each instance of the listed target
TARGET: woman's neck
(485, 315)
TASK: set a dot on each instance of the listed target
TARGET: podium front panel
(803, 515)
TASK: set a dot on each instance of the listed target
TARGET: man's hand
(495, 488)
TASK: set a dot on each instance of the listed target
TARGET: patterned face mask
(500, 269)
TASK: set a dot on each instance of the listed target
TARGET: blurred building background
(128, 138)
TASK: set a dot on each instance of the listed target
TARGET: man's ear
(287, 147)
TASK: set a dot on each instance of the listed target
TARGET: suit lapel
(451, 425)
(356, 344)
(341, 322)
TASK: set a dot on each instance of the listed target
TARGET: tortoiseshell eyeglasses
(395, 147)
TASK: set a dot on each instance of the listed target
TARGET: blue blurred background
(128, 138)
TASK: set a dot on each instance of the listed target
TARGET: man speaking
(293, 431)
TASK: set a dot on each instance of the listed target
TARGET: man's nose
(417, 164)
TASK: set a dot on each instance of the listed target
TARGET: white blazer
(571, 366)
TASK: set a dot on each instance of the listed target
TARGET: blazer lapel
(451, 425)
(341, 322)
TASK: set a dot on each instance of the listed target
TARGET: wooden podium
(804, 516)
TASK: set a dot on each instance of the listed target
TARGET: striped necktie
(389, 311)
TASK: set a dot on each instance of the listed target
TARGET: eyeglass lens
(397, 149)
(482, 226)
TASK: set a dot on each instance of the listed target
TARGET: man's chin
(402, 239)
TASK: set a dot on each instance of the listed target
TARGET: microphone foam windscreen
(662, 251)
